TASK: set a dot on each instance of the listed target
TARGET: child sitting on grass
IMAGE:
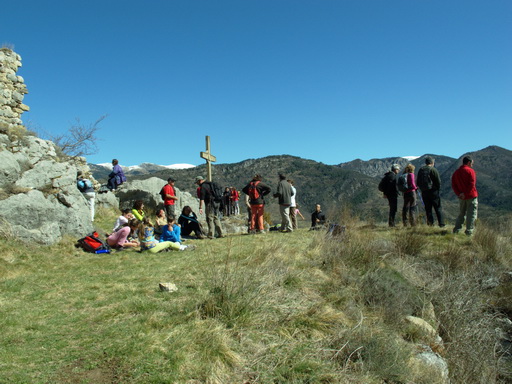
(126, 216)
(171, 231)
(148, 242)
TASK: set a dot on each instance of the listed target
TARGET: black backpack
(424, 181)
(214, 191)
(401, 183)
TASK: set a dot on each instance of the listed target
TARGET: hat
(170, 179)
(395, 166)
(199, 178)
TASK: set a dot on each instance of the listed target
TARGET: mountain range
(351, 185)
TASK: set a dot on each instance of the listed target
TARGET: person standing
(388, 187)
(256, 190)
(464, 186)
(212, 207)
(410, 197)
(170, 198)
(85, 186)
(429, 183)
(293, 205)
(284, 194)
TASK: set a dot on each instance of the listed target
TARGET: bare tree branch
(80, 139)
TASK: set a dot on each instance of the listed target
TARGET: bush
(389, 291)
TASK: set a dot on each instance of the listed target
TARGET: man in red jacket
(464, 186)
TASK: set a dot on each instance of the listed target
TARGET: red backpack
(254, 193)
(92, 243)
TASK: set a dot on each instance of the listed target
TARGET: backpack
(162, 193)
(92, 243)
(215, 192)
(401, 183)
(382, 185)
(84, 185)
(424, 181)
(254, 193)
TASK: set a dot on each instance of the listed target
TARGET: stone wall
(12, 89)
(39, 200)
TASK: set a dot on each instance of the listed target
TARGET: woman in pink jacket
(410, 197)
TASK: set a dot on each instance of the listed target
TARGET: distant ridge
(352, 184)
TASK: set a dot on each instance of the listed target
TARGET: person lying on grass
(148, 242)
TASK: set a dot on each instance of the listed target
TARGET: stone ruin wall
(12, 89)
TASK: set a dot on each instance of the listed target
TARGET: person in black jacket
(388, 187)
(429, 182)
(256, 190)
(190, 223)
(318, 219)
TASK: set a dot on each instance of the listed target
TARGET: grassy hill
(274, 308)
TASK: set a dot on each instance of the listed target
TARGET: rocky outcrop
(39, 200)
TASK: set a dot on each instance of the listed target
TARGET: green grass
(274, 308)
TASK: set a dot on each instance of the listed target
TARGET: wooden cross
(209, 158)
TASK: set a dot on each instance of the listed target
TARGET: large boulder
(34, 217)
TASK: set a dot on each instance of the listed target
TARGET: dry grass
(281, 308)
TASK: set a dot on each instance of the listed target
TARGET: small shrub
(467, 330)
(388, 290)
(487, 241)
(369, 351)
(409, 243)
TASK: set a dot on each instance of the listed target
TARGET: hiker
(189, 223)
(226, 199)
(148, 242)
(256, 190)
(171, 231)
(160, 221)
(210, 197)
(138, 210)
(408, 184)
(235, 197)
(464, 186)
(429, 183)
(85, 186)
(389, 189)
(293, 214)
(169, 196)
(126, 216)
(284, 195)
(121, 239)
(116, 177)
(318, 219)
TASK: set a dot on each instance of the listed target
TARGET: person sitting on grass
(148, 242)
(171, 231)
(160, 222)
(138, 210)
(121, 239)
(189, 223)
(317, 218)
(126, 216)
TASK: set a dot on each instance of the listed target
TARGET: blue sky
(325, 80)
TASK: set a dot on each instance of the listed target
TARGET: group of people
(428, 182)
(133, 228)
(230, 199)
